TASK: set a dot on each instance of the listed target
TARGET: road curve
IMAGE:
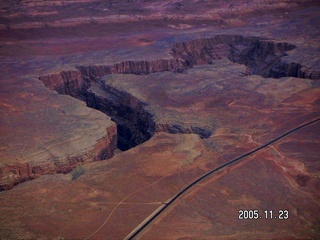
(162, 208)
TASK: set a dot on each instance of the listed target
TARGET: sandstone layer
(44, 133)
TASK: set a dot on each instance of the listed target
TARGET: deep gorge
(135, 123)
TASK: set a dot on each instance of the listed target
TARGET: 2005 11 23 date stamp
(255, 214)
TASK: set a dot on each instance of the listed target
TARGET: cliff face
(176, 128)
(11, 175)
(58, 159)
(134, 123)
(147, 67)
(66, 82)
(261, 56)
(132, 67)
(75, 83)
(135, 119)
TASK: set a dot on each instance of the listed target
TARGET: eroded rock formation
(261, 56)
(135, 123)
(67, 82)
(50, 162)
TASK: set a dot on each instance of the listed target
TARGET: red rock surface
(182, 116)
(274, 179)
(43, 133)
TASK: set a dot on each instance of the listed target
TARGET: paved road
(162, 208)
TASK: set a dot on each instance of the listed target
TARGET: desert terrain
(160, 119)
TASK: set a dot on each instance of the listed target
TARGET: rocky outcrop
(59, 158)
(200, 51)
(11, 175)
(261, 56)
(67, 82)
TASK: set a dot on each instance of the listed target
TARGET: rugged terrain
(163, 92)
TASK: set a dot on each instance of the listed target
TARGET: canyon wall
(135, 124)
(67, 83)
(134, 119)
(262, 57)
(179, 128)
(140, 67)
(59, 158)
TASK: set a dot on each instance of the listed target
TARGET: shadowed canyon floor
(162, 94)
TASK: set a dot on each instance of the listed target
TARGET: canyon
(111, 108)
(135, 124)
